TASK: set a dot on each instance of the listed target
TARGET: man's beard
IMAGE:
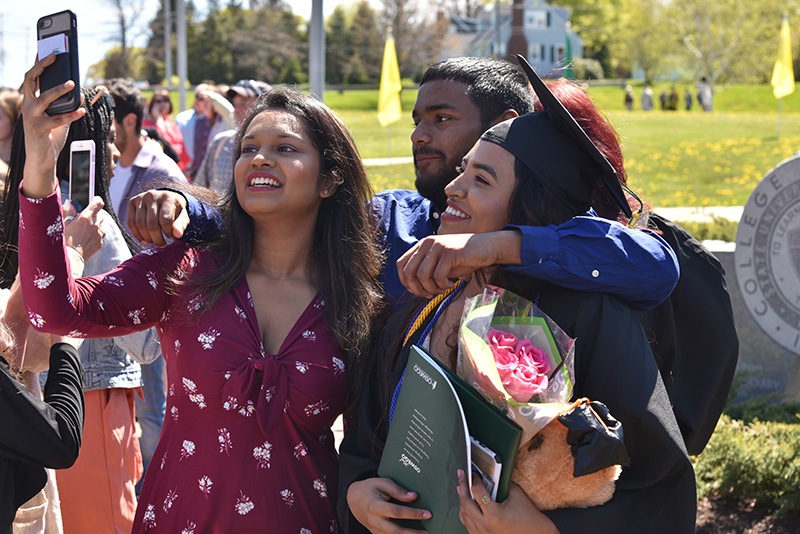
(432, 185)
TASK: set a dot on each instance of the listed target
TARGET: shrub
(756, 461)
(720, 228)
(587, 68)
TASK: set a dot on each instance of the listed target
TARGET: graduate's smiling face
(479, 198)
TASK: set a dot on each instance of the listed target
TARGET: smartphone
(58, 33)
(81, 172)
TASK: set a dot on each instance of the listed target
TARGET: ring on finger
(68, 218)
(485, 499)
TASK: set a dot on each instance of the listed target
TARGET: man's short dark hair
(494, 85)
(127, 99)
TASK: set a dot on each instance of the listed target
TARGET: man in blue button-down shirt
(458, 100)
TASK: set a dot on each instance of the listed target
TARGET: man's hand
(430, 266)
(154, 214)
(82, 232)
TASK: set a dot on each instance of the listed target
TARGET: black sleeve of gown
(693, 337)
(45, 433)
(362, 446)
(614, 365)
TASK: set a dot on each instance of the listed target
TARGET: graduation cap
(557, 150)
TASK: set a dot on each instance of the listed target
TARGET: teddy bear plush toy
(575, 460)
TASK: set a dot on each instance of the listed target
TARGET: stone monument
(767, 261)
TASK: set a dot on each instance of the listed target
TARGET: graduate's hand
(516, 514)
(155, 214)
(431, 265)
(45, 135)
(369, 503)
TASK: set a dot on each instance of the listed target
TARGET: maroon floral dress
(247, 444)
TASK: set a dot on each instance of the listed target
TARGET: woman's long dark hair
(346, 257)
(95, 125)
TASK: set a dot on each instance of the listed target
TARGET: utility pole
(182, 70)
(316, 51)
(168, 41)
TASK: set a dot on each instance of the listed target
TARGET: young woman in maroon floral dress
(258, 329)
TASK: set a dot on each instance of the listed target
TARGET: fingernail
(410, 493)
(460, 473)
(426, 515)
(458, 490)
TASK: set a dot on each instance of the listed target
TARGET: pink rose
(529, 377)
(503, 347)
(525, 382)
(526, 351)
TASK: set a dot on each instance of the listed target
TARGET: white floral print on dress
(163, 461)
(231, 403)
(177, 346)
(288, 497)
(270, 392)
(240, 312)
(54, 230)
(300, 450)
(43, 280)
(338, 366)
(262, 455)
(208, 338)
(174, 412)
(204, 483)
(248, 409)
(170, 499)
(321, 488)
(36, 319)
(316, 408)
(76, 333)
(136, 316)
(305, 531)
(195, 303)
(301, 366)
(190, 526)
(152, 280)
(101, 305)
(149, 517)
(310, 335)
(113, 281)
(225, 443)
(187, 449)
(243, 504)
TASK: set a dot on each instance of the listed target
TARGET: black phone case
(65, 67)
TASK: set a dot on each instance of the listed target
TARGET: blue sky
(95, 28)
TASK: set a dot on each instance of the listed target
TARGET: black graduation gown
(693, 337)
(35, 434)
(613, 364)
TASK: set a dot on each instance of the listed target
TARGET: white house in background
(542, 32)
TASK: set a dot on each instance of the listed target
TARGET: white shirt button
(595, 273)
(435, 215)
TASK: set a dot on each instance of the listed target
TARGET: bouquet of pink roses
(519, 359)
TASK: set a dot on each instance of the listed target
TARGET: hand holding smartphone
(58, 34)
(81, 172)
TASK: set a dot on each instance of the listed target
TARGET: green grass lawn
(673, 158)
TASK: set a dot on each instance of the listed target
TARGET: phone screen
(79, 177)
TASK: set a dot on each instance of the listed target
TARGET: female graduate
(258, 330)
(536, 169)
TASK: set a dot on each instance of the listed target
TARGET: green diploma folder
(429, 440)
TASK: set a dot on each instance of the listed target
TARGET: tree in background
(643, 39)
(598, 23)
(416, 37)
(126, 14)
(729, 40)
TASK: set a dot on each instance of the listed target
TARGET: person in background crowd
(10, 101)
(159, 116)
(629, 98)
(216, 171)
(647, 98)
(200, 125)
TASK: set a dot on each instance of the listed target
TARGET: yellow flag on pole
(389, 109)
(783, 73)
